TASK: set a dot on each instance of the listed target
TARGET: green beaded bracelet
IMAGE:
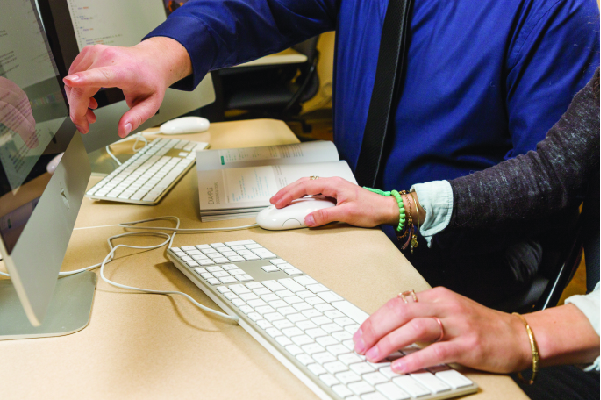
(399, 201)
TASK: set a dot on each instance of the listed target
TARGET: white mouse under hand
(185, 125)
(293, 215)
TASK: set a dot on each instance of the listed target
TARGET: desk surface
(141, 346)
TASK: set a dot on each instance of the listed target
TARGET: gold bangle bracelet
(535, 355)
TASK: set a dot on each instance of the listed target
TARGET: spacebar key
(351, 310)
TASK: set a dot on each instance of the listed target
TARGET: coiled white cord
(150, 231)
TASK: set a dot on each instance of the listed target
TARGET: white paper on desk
(301, 153)
(242, 188)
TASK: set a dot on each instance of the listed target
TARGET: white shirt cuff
(589, 305)
(437, 199)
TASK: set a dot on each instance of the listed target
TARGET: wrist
(523, 347)
(390, 211)
(169, 56)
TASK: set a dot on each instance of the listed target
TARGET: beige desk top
(141, 346)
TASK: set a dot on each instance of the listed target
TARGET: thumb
(138, 114)
(325, 216)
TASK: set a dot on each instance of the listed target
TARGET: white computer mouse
(293, 215)
(185, 125)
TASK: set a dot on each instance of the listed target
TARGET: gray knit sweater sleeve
(538, 183)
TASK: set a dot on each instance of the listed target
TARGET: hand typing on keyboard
(474, 336)
(310, 326)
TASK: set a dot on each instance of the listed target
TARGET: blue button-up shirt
(484, 80)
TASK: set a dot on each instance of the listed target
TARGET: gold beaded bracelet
(535, 355)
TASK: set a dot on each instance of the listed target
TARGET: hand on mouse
(143, 72)
(354, 205)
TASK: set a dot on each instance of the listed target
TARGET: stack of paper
(238, 183)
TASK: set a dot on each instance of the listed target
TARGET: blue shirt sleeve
(553, 54)
(224, 33)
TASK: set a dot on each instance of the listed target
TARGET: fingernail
(360, 346)
(72, 78)
(128, 128)
(373, 354)
(309, 220)
(398, 367)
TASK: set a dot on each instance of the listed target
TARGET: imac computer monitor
(73, 24)
(37, 209)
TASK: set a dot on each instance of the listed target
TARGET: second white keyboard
(149, 174)
(307, 326)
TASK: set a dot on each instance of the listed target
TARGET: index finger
(305, 187)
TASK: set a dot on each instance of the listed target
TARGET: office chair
(267, 91)
(561, 257)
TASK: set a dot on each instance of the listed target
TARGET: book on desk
(238, 183)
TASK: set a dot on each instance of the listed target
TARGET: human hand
(143, 72)
(354, 205)
(473, 335)
(15, 112)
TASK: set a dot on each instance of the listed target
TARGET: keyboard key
(373, 396)
(270, 268)
(305, 280)
(350, 358)
(329, 296)
(342, 391)
(323, 358)
(454, 379)
(239, 289)
(277, 261)
(328, 379)
(302, 340)
(297, 317)
(431, 382)
(334, 367)
(304, 324)
(375, 378)
(411, 386)
(392, 391)
(326, 341)
(282, 324)
(291, 285)
(316, 369)
(273, 332)
(302, 307)
(315, 333)
(244, 278)
(264, 310)
(291, 332)
(273, 285)
(337, 349)
(351, 311)
(361, 368)
(304, 359)
(283, 341)
(360, 388)
(273, 316)
(348, 377)
(313, 348)
(294, 349)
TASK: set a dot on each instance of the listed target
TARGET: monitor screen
(34, 124)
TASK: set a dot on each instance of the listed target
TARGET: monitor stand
(68, 312)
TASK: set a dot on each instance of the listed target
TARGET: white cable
(137, 136)
(110, 153)
(168, 241)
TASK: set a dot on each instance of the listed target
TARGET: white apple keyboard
(306, 326)
(149, 174)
